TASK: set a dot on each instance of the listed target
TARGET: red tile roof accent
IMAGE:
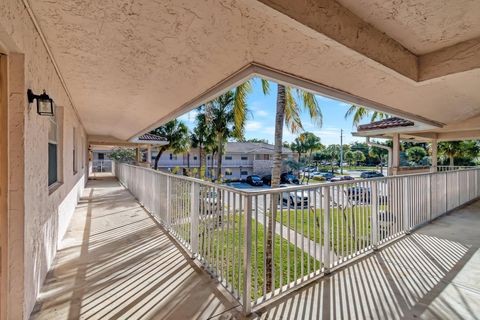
(388, 123)
(151, 137)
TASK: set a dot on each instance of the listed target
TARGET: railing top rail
(296, 187)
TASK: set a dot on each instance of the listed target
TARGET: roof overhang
(129, 69)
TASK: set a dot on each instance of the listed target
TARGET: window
(194, 157)
(53, 150)
(228, 172)
(74, 150)
(228, 157)
(244, 173)
(173, 156)
(244, 158)
(101, 156)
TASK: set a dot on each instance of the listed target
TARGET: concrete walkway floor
(115, 262)
(434, 273)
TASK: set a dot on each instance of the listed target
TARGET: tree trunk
(276, 172)
(452, 161)
(188, 160)
(219, 157)
(212, 164)
(159, 154)
(201, 158)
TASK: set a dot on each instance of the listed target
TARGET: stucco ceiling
(132, 64)
(421, 26)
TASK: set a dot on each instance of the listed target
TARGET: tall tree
(176, 133)
(287, 114)
(358, 113)
(416, 153)
(227, 115)
(458, 149)
(358, 156)
(202, 137)
(311, 143)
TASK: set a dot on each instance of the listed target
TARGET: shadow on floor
(421, 276)
(116, 263)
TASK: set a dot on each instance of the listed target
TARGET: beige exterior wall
(37, 216)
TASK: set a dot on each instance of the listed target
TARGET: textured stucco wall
(46, 215)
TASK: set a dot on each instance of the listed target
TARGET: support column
(149, 155)
(137, 155)
(433, 168)
(396, 154)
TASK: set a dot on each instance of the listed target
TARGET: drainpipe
(390, 151)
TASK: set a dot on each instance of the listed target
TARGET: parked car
(327, 175)
(359, 194)
(285, 178)
(342, 178)
(294, 198)
(370, 174)
(254, 180)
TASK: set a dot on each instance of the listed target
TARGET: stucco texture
(45, 215)
(130, 64)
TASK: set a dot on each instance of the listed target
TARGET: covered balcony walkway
(116, 262)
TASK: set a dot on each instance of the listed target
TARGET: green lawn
(310, 223)
(227, 246)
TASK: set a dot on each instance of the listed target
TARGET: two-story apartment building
(240, 159)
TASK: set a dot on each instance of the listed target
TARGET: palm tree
(227, 115)
(202, 137)
(458, 149)
(358, 113)
(288, 114)
(176, 133)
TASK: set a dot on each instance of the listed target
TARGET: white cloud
(253, 125)
(261, 113)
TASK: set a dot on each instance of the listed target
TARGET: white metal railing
(101, 165)
(454, 168)
(295, 234)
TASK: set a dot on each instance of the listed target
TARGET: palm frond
(240, 109)
(292, 114)
(265, 86)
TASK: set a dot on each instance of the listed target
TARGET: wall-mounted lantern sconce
(44, 103)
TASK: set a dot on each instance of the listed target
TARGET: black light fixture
(44, 103)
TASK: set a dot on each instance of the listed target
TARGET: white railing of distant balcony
(314, 228)
(454, 168)
(102, 165)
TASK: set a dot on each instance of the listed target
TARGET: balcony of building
(128, 252)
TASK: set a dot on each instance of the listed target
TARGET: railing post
(168, 199)
(247, 256)
(326, 229)
(194, 212)
(429, 194)
(374, 215)
(406, 210)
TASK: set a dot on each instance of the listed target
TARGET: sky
(261, 120)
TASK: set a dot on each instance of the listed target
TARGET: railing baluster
(374, 215)
(326, 229)
(247, 255)
(194, 211)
